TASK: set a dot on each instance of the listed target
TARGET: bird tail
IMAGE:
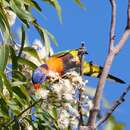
(94, 70)
(113, 78)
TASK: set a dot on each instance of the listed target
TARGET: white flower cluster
(63, 94)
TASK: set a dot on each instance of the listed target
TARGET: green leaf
(18, 83)
(27, 62)
(22, 41)
(1, 84)
(29, 120)
(4, 24)
(53, 39)
(20, 102)
(112, 124)
(14, 106)
(16, 125)
(31, 51)
(6, 82)
(33, 3)
(17, 75)
(57, 6)
(4, 108)
(4, 54)
(43, 35)
(13, 58)
(47, 40)
(54, 113)
(19, 91)
(23, 14)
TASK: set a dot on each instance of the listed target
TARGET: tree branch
(99, 90)
(126, 34)
(113, 22)
(112, 52)
(119, 101)
(20, 114)
(122, 41)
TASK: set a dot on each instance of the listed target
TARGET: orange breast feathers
(55, 64)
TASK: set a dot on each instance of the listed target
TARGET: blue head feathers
(39, 74)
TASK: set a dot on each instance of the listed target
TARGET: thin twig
(119, 101)
(80, 91)
(11, 121)
(128, 15)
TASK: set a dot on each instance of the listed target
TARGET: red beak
(37, 86)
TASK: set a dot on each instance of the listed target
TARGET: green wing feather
(73, 52)
(94, 70)
(61, 53)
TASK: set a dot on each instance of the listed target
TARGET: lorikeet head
(39, 76)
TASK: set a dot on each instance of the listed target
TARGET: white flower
(29, 127)
(84, 97)
(90, 104)
(37, 44)
(68, 97)
(53, 76)
(67, 86)
(42, 93)
(76, 79)
(6, 92)
(63, 88)
(11, 16)
(71, 110)
(63, 119)
(74, 122)
(65, 93)
(57, 88)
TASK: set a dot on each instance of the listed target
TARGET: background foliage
(16, 66)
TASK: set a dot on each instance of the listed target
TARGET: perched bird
(65, 61)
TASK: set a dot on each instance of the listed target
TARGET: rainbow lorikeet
(66, 61)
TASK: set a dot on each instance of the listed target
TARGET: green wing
(61, 53)
(73, 52)
(94, 70)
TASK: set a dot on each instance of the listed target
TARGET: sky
(92, 25)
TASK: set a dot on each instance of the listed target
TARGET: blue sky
(92, 26)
